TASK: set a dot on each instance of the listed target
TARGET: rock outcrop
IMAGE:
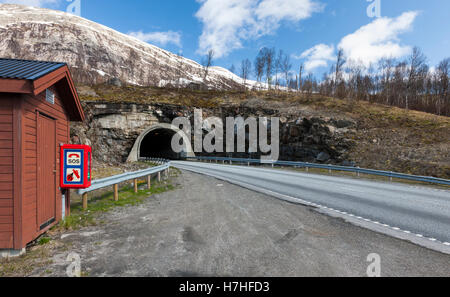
(112, 129)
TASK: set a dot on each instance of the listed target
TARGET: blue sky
(309, 30)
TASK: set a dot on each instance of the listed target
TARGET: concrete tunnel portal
(156, 142)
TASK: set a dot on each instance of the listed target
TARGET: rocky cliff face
(112, 129)
(96, 53)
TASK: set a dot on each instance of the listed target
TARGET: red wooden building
(37, 102)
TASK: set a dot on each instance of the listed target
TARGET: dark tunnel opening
(158, 144)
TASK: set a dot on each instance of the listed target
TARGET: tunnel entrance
(157, 144)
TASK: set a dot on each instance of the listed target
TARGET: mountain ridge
(96, 53)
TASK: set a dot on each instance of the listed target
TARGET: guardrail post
(85, 201)
(116, 192)
(307, 169)
(149, 182)
(135, 182)
(159, 176)
(248, 163)
(358, 172)
(390, 177)
(231, 162)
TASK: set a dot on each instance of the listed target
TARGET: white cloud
(317, 56)
(161, 38)
(223, 24)
(291, 10)
(227, 23)
(35, 3)
(369, 44)
(379, 39)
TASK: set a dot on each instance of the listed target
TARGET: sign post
(76, 166)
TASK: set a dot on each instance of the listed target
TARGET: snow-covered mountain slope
(96, 53)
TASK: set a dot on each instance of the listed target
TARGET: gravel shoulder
(208, 227)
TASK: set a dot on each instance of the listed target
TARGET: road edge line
(395, 232)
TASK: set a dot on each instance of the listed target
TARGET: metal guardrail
(117, 179)
(357, 170)
(154, 160)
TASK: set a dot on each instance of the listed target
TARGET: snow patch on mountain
(96, 53)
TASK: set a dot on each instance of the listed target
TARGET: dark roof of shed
(33, 77)
(25, 69)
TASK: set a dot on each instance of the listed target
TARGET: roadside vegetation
(386, 137)
(102, 200)
(105, 202)
(409, 83)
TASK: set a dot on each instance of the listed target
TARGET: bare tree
(386, 68)
(340, 61)
(278, 66)
(407, 84)
(264, 64)
(399, 86)
(300, 73)
(268, 57)
(416, 71)
(246, 67)
(207, 62)
(259, 66)
(442, 85)
(286, 67)
(326, 86)
(355, 72)
(308, 86)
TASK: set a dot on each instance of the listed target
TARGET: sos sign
(76, 166)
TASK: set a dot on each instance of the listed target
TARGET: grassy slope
(399, 140)
(386, 137)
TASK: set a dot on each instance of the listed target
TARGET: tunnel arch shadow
(156, 142)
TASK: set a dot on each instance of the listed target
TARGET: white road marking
(336, 211)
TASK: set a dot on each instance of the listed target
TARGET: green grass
(105, 202)
(43, 240)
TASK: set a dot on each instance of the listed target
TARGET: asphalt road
(208, 227)
(418, 214)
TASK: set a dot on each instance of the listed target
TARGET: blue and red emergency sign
(76, 166)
